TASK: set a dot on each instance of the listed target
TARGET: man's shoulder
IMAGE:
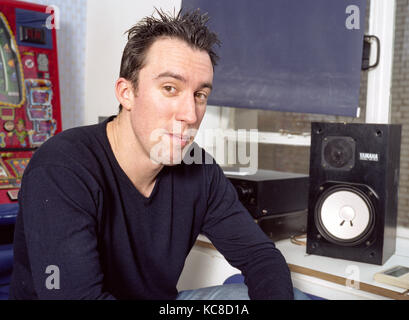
(70, 146)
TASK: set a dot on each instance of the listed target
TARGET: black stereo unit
(284, 226)
(353, 197)
(268, 192)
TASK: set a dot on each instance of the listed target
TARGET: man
(111, 211)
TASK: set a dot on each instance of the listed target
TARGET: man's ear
(124, 92)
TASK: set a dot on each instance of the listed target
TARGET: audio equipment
(285, 225)
(268, 192)
(353, 191)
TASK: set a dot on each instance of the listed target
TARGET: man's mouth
(183, 140)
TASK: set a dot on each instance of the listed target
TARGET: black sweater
(81, 214)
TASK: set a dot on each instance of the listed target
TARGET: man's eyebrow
(168, 74)
(207, 85)
(176, 76)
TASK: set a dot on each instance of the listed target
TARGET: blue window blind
(287, 55)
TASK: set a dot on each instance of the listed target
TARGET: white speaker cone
(345, 215)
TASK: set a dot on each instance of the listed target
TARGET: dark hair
(189, 26)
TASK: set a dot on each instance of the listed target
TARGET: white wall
(107, 21)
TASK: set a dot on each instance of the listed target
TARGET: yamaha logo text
(369, 156)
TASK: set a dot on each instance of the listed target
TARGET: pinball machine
(30, 111)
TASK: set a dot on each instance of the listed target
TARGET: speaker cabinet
(353, 192)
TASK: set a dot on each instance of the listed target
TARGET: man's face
(170, 100)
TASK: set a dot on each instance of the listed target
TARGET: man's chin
(171, 158)
(168, 160)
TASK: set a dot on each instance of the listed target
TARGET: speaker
(353, 191)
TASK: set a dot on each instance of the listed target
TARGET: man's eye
(170, 89)
(201, 96)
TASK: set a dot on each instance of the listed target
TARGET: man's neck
(130, 155)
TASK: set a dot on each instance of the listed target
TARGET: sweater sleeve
(232, 230)
(58, 213)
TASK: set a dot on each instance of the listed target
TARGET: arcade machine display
(30, 110)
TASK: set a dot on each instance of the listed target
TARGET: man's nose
(187, 110)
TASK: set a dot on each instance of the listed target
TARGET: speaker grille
(338, 153)
(345, 215)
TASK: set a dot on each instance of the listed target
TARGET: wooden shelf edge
(334, 279)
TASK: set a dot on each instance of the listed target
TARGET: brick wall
(296, 159)
(400, 102)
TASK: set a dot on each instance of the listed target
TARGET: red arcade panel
(30, 111)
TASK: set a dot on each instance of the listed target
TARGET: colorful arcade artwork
(11, 84)
(40, 111)
(30, 111)
(11, 170)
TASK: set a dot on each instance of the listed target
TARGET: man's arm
(245, 246)
(59, 216)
